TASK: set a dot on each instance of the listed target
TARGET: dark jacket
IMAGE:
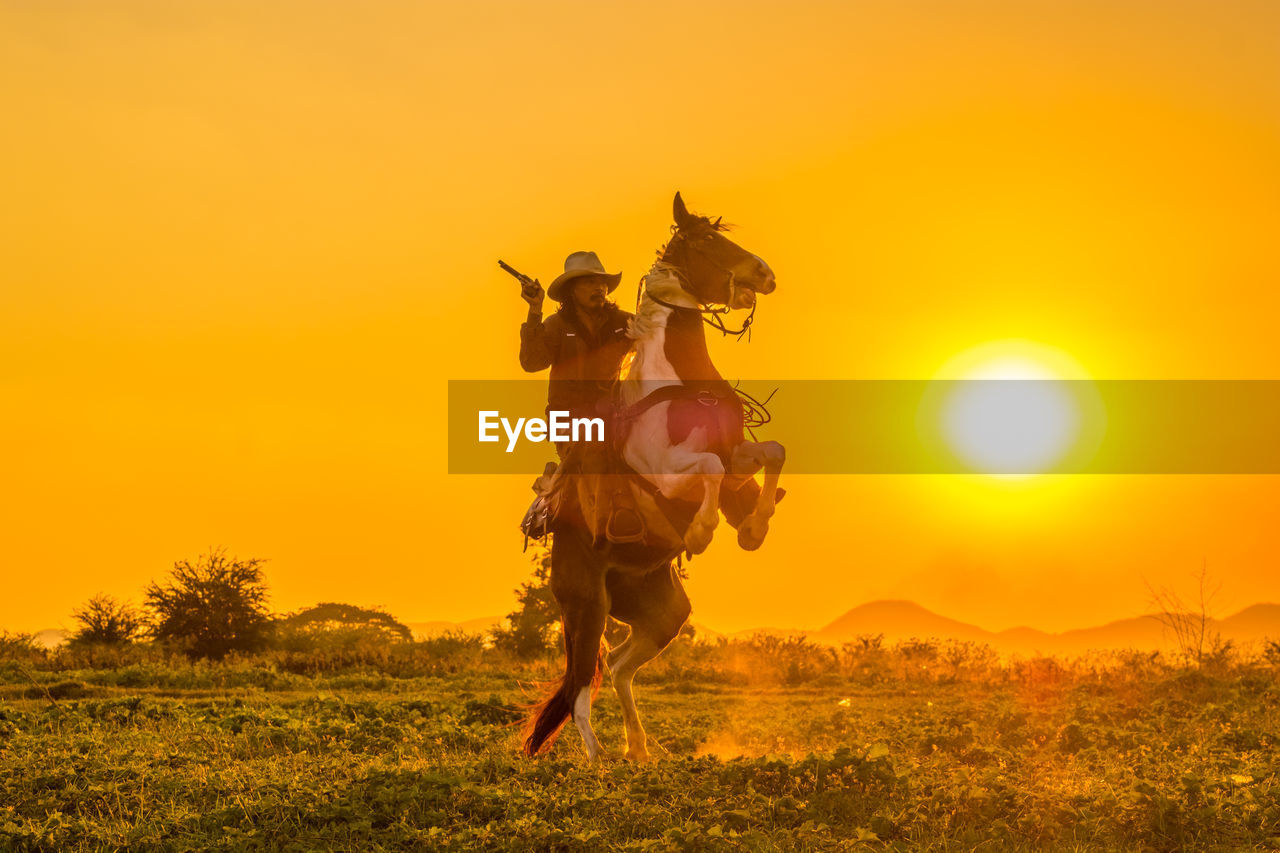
(583, 365)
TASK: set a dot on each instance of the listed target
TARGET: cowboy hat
(579, 265)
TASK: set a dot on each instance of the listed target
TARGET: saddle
(607, 504)
(604, 503)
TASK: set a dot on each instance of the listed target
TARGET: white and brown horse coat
(686, 448)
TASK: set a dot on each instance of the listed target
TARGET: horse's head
(716, 270)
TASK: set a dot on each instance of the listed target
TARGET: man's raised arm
(535, 344)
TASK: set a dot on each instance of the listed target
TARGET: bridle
(755, 413)
(711, 312)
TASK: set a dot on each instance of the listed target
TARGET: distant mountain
(703, 634)
(902, 620)
(1024, 638)
(51, 638)
(1260, 620)
(897, 620)
(427, 630)
(1144, 633)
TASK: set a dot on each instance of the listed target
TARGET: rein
(711, 316)
(755, 413)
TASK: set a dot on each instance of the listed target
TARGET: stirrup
(622, 533)
(536, 523)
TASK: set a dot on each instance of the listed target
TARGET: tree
(530, 629)
(108, 621)
(17, 646)
(211, 607)
(533, 627)
(332, 624)
(1191, 624)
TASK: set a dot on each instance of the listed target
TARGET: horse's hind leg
(578, 585)
(656, 607)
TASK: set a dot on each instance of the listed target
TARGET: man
(584, 344)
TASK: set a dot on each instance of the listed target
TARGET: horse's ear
(681, 212)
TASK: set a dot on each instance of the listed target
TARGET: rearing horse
(681, 434)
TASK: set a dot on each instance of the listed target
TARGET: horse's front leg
(711, 471)
(749, 457)
(697, 470)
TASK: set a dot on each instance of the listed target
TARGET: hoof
(699, 535)
(698, 538)
(751, 536)
(639, 756)
(747, 542)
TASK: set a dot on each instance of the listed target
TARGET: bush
(790, 660)
(107, 621)
(865, 659)
(109, 656)
(212, 607)
(18, 647)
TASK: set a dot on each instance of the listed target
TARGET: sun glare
(1021, 425)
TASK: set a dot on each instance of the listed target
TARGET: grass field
(1133, 755)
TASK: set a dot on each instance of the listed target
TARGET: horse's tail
(549, 716)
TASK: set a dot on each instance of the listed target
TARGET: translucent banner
(993, 426)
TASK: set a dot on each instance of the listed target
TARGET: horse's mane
(649, 314)
(714, 224)
(717, 225)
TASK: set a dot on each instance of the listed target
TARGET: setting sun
(1009, 408)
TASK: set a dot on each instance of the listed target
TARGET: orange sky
(246, 244)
